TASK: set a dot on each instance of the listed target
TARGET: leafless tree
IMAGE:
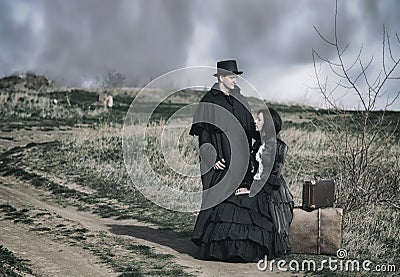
(114, 79)
(365, 141)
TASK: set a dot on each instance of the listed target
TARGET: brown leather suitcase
(316, 232)
(318, 193)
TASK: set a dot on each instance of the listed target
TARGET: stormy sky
(73, 42)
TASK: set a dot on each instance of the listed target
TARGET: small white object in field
(55, 101)
(109, 101)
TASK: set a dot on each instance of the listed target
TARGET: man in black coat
(225, 127)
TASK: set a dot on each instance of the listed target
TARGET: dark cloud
(140, 39)
(17, 38)
(75, 40)
(277, 32)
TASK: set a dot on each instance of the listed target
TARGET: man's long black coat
(211, 136)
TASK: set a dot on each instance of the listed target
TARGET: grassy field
(93, 159)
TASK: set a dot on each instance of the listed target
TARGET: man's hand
(220, 165)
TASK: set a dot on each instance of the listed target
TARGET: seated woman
(244, 228)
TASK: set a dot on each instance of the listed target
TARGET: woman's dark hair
(276, 119)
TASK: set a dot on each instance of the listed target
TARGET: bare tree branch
(323, 38)
(362, 138)
(383, 50)
(358, 57)
(390, 48)
(345, 72)
(389, 104)
(363, 71)
(325, 59)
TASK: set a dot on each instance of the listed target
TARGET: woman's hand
(240, 191)
(220, 165)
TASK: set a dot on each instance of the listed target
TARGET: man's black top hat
(225, 67)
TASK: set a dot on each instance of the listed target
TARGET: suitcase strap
(311, 195)
(319, 232)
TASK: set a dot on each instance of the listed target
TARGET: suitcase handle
(317, 176)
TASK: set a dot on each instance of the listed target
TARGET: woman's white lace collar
(260, 170)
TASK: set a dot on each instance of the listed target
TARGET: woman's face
(259, 121)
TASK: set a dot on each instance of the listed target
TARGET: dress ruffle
(244, 229)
